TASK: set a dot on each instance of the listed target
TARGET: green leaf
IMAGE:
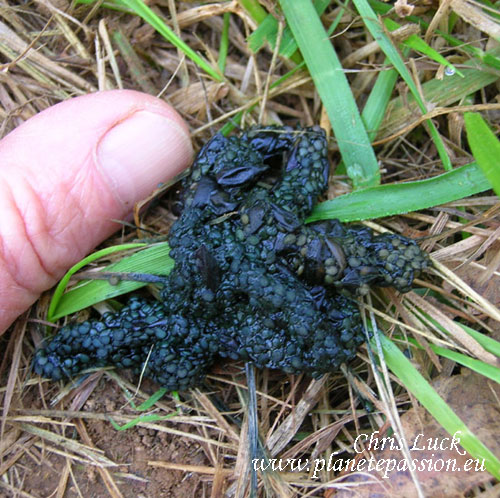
(378, 100)
(485, 148)
(488, 343)
(490, 58)
(478, 366)
(152, 400)
(388, 200)
(111, 4)
(142, 419)
(52, 313)
(439, 93)
(268, 32)
(415, 383)
(146, 405)
(416, 43)
(224, 42)
(256, 11)
(334, 90)
(153, 260)
(376, 29)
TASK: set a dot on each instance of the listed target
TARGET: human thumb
(67, 173)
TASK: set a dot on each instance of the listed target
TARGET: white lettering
(357, 449)
(454, 442)
(415, 447)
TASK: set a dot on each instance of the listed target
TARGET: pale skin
(66, 173)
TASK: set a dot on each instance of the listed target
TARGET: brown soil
(42, 472)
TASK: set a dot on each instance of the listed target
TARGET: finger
(67, 173)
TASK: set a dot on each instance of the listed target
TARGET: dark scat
(251, 281)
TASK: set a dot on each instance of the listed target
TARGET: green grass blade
(224, 42)
(375, 106)
(488, 343)
(141, 419)
(256, 11)
(380, 95)
(376, 29)
(416, 43)
(143, 11)
(478, 366)
(146, 405)
(440, 93)
(388, 200)
(139, 8)
(153, 260)
(488, 58)
(338, 17)
(419, 45)
(231, 124)
(55, 303)
(111, 5)
(267, 32)
(415, 383)
(152, 400)
(378, 100)
(485, 148)
(333, 88)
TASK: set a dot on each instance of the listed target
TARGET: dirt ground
(43, 473)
